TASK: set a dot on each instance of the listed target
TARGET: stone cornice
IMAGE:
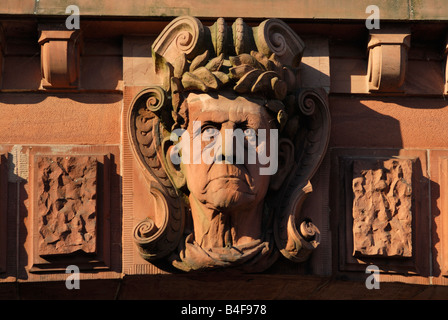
(428, 10)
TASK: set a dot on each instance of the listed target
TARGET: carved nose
(227, 152)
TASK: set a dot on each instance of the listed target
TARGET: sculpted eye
(249, 132)
(210, 132)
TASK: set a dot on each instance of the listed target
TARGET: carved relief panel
(381, 217)
(71, 194)
(382, 207)
(67, 204)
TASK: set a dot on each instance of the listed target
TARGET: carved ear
(285, 163)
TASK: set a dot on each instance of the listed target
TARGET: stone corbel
(388, 55)
(60, 51)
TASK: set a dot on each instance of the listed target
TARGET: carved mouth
(228, 178)
(230, 174)
(232, 179)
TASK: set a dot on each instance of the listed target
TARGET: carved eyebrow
(211, 123)
(241, 124)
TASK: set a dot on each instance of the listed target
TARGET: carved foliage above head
(230, 65)
(186, 45)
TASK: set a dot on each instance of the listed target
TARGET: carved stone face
(225, 187)
(277, 132)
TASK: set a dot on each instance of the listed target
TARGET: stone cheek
(382, 208)
(67, 204)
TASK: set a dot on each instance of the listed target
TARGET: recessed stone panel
(70, 214)
(379, 207)
(67, 204)
(382, 207)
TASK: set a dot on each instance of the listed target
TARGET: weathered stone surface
(310, 9)
(85, 120)
(67, 204)
(382, 207)
(62, 118)
(260, 95)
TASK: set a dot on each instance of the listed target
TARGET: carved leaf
(245, 84)
(239, 71)
(215, 63)
(199, 61)
(263, 82)
(191, 81)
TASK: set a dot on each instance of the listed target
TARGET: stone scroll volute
(226, 214)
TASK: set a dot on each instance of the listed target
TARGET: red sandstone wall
(39, 125)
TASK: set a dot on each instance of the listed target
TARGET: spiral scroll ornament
(273, 36)
(184, 35)
(144, 230)
(278, 43)
(156, 99)
(296, 235)
(308, 230)
(155, 242)
(307, 106)
(146, 131)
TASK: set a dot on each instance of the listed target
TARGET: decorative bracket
(60, 51)
(388, 56)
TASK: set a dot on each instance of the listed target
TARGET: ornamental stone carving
(227, 141)
(67, 204)
(382, 207)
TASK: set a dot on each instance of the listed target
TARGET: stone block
(382, 207)
(72, 209)
(60, 52)
(379, 210)
(67, 204)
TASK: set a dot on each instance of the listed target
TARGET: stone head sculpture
(229, 140)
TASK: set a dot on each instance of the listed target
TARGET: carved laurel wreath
(261, 60)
